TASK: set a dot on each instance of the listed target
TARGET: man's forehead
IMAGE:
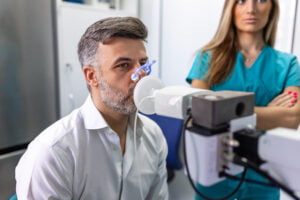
(115, 40)
(123, 48)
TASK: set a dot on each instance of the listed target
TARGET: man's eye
(142, 63)
(123, 65)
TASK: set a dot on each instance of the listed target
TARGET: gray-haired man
(93, 152)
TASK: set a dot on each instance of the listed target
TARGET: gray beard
(116, 99)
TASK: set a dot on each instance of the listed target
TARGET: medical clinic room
(149, 100)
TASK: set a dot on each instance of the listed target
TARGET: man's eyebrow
(122, 59)
(128, 59)
(144, 59)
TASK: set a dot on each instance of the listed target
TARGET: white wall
(150, 14)
(187, 26)
(296, 49)
(284, 38)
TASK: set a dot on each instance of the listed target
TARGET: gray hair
(103, 30)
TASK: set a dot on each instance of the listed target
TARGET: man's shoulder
(149, 124)
(151, 130)
(65, 127)
(55, 142)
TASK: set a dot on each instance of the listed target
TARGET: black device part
(208, 131)
(248, 145)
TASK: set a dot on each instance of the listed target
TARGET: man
(93, 153)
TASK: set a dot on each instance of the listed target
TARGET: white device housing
(280, 147)
(150, 96)
(174, 101)
(205, 153)
(203, 157)
(144, 94)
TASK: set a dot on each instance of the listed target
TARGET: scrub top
(271, 72)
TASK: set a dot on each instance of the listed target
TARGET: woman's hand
(282, 111)
(286, 99)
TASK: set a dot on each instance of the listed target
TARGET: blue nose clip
(146, 67)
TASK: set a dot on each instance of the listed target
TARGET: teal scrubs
(271, 72)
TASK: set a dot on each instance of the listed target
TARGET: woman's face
(251, 16)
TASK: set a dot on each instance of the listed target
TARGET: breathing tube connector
(146, 67)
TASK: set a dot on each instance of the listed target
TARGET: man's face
(118, 59)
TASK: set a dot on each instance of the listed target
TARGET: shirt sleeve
(48, 178)
(200, 67)
(293, 77)
(159, 187)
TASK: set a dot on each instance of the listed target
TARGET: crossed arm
(282, 111)
(284, 114)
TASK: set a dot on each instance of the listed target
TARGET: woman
(241, 57)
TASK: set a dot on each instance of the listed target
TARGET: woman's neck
(250, 46)
(250, 43)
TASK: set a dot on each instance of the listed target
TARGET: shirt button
(114, 148)
(110, 132)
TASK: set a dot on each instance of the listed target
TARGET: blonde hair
(224, 45)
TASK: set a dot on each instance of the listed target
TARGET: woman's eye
(240, 1)
(261, 1)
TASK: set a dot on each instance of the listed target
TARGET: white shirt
(80, 157)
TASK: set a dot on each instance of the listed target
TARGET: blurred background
(41, 78)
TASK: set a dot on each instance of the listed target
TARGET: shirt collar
(139, 126)
(93, 119)
(91, 115)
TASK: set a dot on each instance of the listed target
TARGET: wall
(286, 26)
(150, 14)
(296, 49)
(187, 26)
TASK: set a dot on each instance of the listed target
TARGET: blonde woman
(241, 57)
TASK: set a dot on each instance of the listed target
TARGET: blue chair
(171, 128)
(75, 1)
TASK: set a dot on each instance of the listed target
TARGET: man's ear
(91, 76)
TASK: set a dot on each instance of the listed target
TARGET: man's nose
(142, 73)
(138, 72)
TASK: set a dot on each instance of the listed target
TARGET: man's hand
(286, 99)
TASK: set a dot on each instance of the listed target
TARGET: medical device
(146, 67)
(220, 140)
